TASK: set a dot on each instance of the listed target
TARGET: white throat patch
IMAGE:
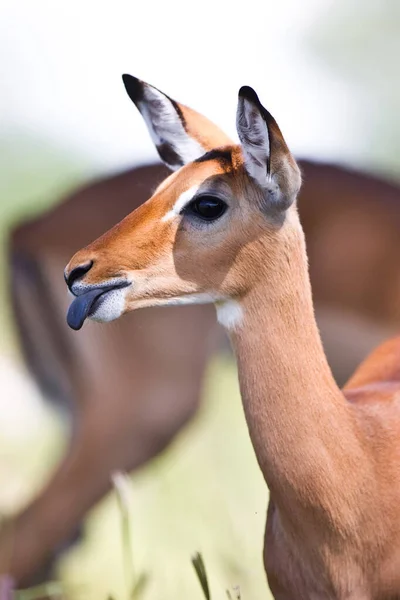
(229, 314)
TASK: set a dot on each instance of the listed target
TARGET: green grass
(134, 584)
(200, 570)
(204, 495)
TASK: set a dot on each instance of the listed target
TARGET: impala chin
(99, 303)
(110, 306)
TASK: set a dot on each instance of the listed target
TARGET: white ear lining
(254, 137)
(166, 129)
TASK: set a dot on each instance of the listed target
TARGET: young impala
(224, 229)
(161, 354)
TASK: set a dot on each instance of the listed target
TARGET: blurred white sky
(61, 66)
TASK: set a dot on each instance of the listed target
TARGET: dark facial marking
(222, 156)
(168, 155)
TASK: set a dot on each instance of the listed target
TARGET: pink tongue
(80, 307)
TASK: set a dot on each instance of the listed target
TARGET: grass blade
(200, 570)
(121, 485)
(140, 586)
(236, 591)
(51, 589)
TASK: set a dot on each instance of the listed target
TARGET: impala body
(224, 229)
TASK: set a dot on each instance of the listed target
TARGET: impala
(224, 229)
(149, 355)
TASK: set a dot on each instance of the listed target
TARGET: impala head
(209, 229)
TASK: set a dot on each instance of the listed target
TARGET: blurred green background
(330, 71)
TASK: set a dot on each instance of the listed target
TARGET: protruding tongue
(80, 307)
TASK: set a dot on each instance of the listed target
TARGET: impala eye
(208, 208)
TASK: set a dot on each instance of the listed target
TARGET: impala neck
(299, 422)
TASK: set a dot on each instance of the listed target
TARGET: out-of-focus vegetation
(204, 494)
(358, 43)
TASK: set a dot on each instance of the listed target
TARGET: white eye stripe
(183, 200)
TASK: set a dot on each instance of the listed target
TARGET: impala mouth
(87, 303)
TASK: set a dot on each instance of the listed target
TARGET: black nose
(77, 273)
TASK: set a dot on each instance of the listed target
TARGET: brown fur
(330, 458)
(202, 129)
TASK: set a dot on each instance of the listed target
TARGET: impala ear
(179, 133)
(267, 158)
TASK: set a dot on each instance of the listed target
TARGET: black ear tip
(248, 93)
(133, 86)
(129, 79)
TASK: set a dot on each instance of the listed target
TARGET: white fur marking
(189, 299)
(253, 135)
(229, 314)
(111, 307)
(182, 201)
(165, 126)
